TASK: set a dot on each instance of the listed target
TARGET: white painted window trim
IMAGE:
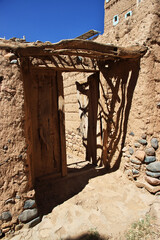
(115, 22)
(130, 12)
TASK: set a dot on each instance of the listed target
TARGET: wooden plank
(62, 123)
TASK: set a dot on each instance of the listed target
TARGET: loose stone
(154, 167)
(137, 145)
(131, 151)
(29, 204)
(153, 174)
(28, 215)
(150, 159)
(140, 155)
(150, 151)
(154, 143)
(6, 216)
(135, 161)
(152, 181)
(142, 141)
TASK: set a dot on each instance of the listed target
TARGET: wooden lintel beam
(64, 69)
(69, 47)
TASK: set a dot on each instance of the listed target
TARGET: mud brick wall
(144, 114)
(120, 8)
(14, 172)
(73, 115)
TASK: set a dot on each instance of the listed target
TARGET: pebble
(6, 216)
(150, 151)
(135, 172)
(152, 181)
(154, 143)
(29, 204)
(150, 159)
(137, 145)
(153, 174)
(140, 155)
(142, 141)
(14, 61)
(135, 161)
(131, 151)
(154, 167)
(28, 215)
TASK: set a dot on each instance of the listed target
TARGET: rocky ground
(105, 203)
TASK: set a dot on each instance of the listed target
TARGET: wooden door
(47, 124)
(44, 121)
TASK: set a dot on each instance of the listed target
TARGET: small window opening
(128, 14)
(115, 20)
(107, 1)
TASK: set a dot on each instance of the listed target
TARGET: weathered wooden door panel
(48, 124)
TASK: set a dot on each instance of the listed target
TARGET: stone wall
(14, 170)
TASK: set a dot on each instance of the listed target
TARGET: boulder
(28, 215)
(154, 143)
(153, 174)
(150, 151)
(152, 181)
(150, 159)
(140, 155)
(154, 167)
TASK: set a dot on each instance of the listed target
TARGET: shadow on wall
(105, 113)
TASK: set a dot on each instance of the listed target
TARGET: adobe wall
(74, 119)
(132, 101)
(144, 116)
(14, 170)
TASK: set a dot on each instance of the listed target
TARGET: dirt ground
(88, 200)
